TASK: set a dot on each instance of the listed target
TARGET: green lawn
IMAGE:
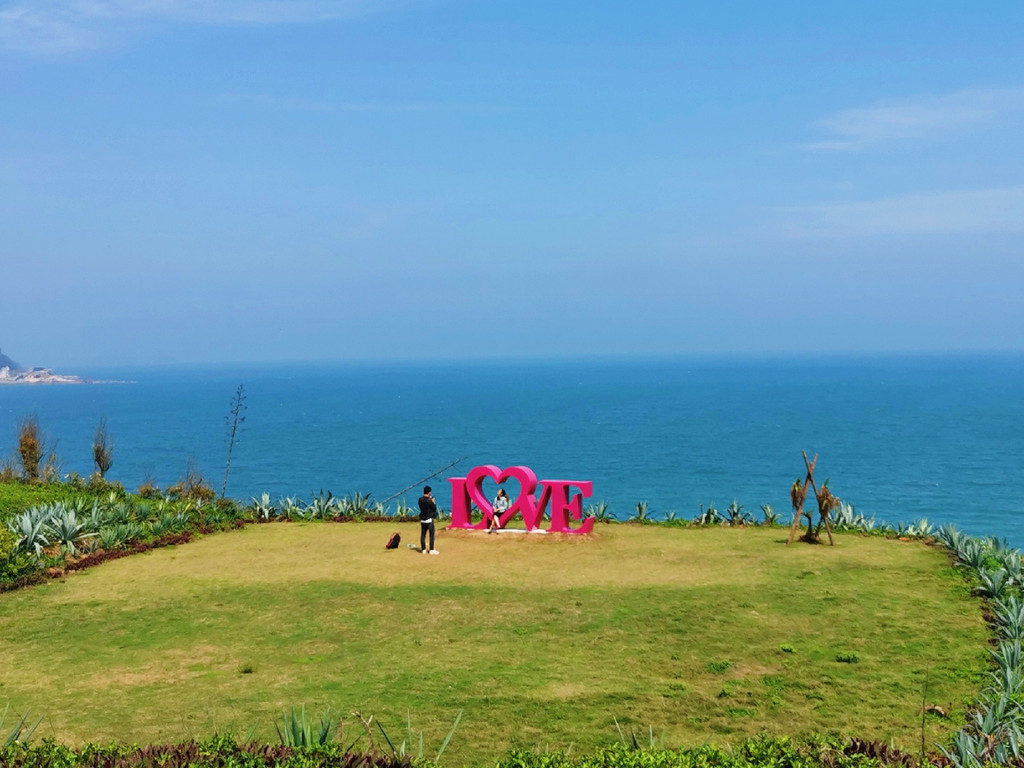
(701, 634)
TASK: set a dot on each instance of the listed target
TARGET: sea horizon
(823, 356)
(901, 437)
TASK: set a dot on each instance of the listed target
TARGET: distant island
(12, 373)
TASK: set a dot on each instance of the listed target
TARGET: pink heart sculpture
(525, 504)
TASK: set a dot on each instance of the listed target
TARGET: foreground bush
(16, 566)
(762, 752)
(225, 752)
(219, 752)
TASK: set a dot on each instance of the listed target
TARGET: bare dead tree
(102, 448)
(30, 447)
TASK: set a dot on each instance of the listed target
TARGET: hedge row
(225, 752)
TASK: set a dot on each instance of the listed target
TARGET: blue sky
(254, 180)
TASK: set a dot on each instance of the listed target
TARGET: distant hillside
(6, 362)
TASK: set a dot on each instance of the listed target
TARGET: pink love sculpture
(468, 491)
(564, 506)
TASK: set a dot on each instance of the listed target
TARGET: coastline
(676, 434)
(38, 376)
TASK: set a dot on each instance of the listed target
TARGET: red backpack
(393, 542)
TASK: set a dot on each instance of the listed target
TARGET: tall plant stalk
(235, 419)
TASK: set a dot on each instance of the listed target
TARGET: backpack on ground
(393, 542)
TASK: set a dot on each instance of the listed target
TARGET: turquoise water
(940, 438)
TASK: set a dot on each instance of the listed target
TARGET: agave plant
(121, 512)
(966, 751)
(145, 512)
(130, 532)
(1009, 560)
(997, 545)
(771, 517)
(300, 512)
(1007, 680)
(356, 506)
(709, 516)
(993, 583)
(80, 504)
(263, 508)
(600, 512)
(950, 536)
(90, 545)
(844, 517)
(95, 516)
(866, 525)
(992, 735)
(212, 516)
(997, 721)
(322, 506)
(31, 529)
(111, 537)
(163, 525)
(641, 515)
(402, 509)
(291, 508)
(737, 515)
(67, 530)
(1009, 611)
(921, 528)
(296, 730)
(1007, 654)
(973, 553)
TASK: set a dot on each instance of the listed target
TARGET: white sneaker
(434, 552)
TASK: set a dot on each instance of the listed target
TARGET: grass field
(699, 634)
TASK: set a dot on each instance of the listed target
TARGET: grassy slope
(15, 497)
(543, 641)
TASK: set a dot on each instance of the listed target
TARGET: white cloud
(62, 26)
(984, 211)
(919, 118)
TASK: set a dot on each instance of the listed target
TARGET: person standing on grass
(498, 508)
(428, 513)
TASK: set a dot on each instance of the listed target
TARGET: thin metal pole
(445, 468)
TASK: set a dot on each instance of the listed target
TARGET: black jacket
(428, 509)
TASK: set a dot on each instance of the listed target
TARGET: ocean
(900, 438)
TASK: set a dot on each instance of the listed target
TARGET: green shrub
(220, 751)
(225, 752)
(762, 752)
(14, 564)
